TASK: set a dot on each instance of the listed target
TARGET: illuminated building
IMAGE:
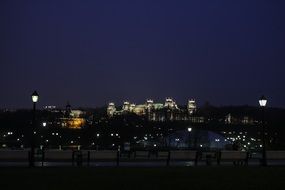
(76, 113)
(139, 110)
(170, 104)
(73, 123)
(126, 106)
(149, 105)
(234, 120)
(111, 109)
(157, 111)
(191, 106)
(49, 108)
(132, 107)
(73, 118)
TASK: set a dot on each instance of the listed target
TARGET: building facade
(167, 111)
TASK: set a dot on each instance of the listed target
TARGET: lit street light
(262, 103)
(35, 98)
(189, 129)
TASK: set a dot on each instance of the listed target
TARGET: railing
(89, 157)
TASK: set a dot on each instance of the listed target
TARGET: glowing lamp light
(35, 97)
(262, 101)
(189, 129)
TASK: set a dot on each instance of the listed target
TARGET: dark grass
(143, 178)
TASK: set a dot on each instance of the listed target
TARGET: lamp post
(35, 98)
(189, 129)
(262, 103)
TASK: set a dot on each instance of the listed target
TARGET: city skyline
(92, 52)
(62, 105)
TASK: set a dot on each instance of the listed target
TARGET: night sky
(92, 52)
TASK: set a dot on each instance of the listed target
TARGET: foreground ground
(143, 178)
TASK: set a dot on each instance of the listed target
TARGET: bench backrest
(275, 155)
(103, 155)
(162, 154)
(14, 155)
(204, 155)
(183, 155)
(58, 155)
(229, 155)
(142, 154)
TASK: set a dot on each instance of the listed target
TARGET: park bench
(141, 155)
(237, 157)
(103, 156)
(208, 157)
(275, 155)
(162, 155)
(58, 156)
(183, 155)
(14, 155)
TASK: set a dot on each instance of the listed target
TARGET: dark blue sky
(92, 52)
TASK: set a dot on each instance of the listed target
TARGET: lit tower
(171, 107)
(126, 106)
(170, 103)
(192, 107)
(149, 109)
(132, 107)
(149, 105)
(111, 109)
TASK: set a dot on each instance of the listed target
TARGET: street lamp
(35, 99)
(189, 129)
(262, 103)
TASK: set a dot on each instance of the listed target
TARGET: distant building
(245, 120)
(72, 119)
(126, 106)
(157, 111)
(111, 109)
(170, 104)
(49, 108)
(192, 107)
